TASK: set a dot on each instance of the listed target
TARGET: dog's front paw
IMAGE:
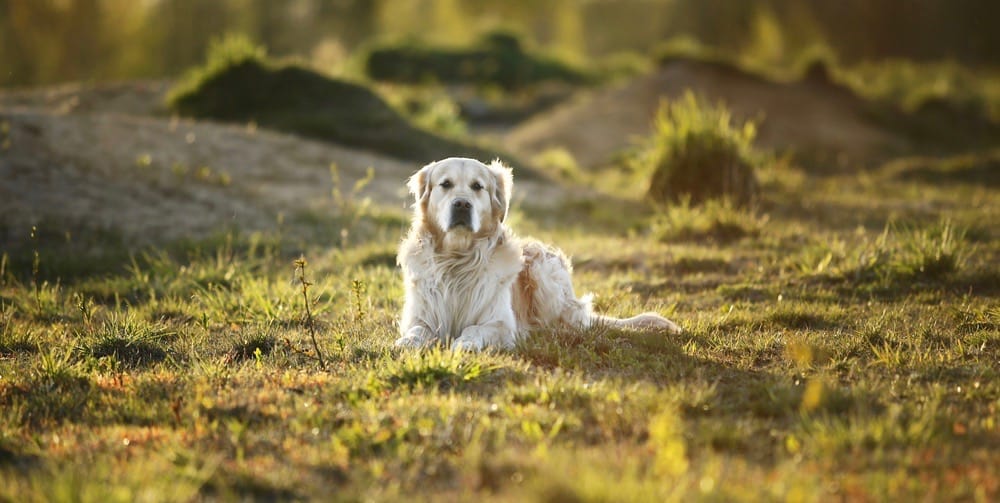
(410, 341)
(480, 337)
(415, 338)
(469, 342)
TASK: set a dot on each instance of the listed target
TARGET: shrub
(696, 153)
(498, 59)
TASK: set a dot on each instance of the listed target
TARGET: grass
(844, 346)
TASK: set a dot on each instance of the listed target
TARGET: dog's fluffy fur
(470, 282)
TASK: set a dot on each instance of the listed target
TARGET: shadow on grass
(660, 359)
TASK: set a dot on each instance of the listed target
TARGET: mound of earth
(297, 100)
(156, 180)
(814, 117)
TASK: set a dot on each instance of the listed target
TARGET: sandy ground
(812, 117)
(106, 157)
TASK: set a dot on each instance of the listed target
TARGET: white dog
(470, 282)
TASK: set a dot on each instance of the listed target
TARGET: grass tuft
(719, 221)
(257, 345)
(696, 152)
(436, 368)
(129, 340)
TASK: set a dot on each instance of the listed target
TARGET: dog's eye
(476, 186)
(447, 184)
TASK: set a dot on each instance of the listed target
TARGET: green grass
(845, 346)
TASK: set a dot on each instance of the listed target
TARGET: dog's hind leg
(553, 301)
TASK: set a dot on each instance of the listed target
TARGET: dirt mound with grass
(814, 118)
(297, 100)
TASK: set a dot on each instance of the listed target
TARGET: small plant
(300, 271)
(697, 153)
(36, 263)
(358, 289)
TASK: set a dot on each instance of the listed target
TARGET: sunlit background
(48, 41)
(809, 188)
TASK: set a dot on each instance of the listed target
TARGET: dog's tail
(646, 321)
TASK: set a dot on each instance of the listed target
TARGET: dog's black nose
(461, 204)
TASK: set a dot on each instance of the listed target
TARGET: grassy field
(842, 342)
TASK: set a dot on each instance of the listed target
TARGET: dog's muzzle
(461, 214)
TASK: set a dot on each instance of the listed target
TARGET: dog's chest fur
(463, 287)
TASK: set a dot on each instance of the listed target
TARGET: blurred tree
(181, 29)
(30, 53)
(80, 33)
(44, 41)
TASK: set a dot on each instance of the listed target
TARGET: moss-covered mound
(295, 99)
(498, 59)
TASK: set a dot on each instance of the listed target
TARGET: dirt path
(102, 156)
(158, 179)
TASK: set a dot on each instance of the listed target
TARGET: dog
(470, 282)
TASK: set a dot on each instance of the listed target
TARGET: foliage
(498, 59)
(696, 152)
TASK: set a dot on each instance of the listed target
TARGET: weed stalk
(300, 270)
(36, 262)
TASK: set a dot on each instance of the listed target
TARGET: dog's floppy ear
(504, 184)
(419, 185)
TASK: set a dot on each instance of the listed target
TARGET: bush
(498, 59)
(696, 153)
(239, 84)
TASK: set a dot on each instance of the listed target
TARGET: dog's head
(462, 197)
